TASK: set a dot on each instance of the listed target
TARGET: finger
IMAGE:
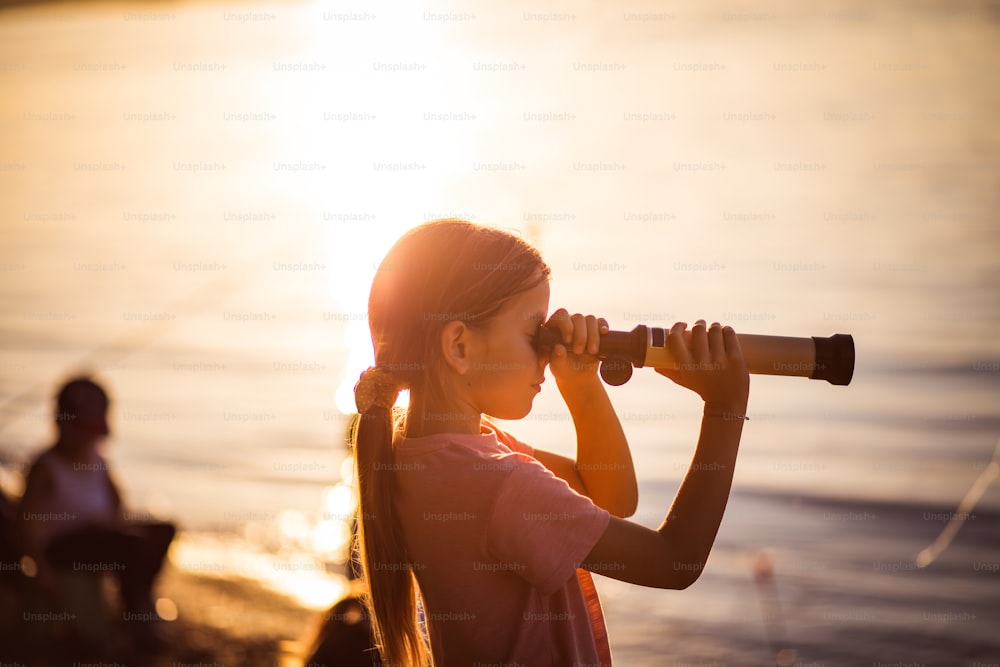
(732, 341)
(699, 343)
(716, 343)
(579, 333)
(602, 324)
(561, 322)
(675, 342)
(593, 335)
(556, 318)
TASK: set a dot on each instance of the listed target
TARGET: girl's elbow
(679, 581)
(627, 509)
(680, 575)
(688, 579)
(623, 506)
(628, 503)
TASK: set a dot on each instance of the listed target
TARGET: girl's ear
(455, 346)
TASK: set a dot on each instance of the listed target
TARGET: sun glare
(388, 165)
(349, 283)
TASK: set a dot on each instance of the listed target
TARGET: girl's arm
(603, 469)
(675, 555)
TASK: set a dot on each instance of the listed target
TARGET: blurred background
(194, 198)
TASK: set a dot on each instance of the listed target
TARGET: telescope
(830, 358)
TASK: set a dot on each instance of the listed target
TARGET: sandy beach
(222, 621)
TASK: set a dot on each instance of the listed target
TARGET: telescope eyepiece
(545, 340)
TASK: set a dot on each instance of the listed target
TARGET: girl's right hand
(711, 364)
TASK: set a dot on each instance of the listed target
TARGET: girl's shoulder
(509, 441)
(493, 453)
(490, 441)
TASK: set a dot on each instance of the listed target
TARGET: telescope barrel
(830, 358)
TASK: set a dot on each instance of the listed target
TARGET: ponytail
(392, 592)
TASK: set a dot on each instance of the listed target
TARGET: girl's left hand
(575, 361)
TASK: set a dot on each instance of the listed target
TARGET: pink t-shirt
(495, 540)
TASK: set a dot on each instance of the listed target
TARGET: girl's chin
(514, 415)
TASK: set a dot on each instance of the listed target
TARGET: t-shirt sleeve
(540, 528)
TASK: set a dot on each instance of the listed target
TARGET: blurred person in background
(71, 515)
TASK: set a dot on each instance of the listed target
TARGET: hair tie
(376, 387)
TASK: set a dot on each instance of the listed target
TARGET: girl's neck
(424, 418)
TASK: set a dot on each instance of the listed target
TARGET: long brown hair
(441, 271)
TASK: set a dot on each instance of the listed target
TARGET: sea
(194, 198)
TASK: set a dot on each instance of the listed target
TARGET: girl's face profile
(506, 372)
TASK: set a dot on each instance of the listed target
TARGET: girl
(496, 540)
